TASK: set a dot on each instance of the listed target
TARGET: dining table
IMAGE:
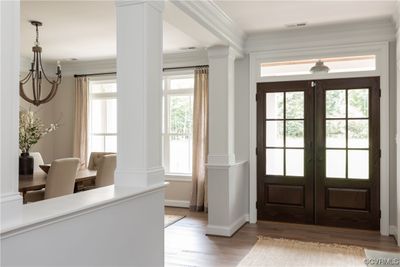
(37, 180)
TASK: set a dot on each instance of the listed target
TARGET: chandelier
(36, 73)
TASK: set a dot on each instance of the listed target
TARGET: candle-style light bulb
(58, 67)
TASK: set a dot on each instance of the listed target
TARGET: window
(102, 121)
(302, 67)
(177, 123)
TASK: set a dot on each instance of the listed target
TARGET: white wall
(95, 230)
(242, 109)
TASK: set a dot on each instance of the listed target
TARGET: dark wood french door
(318, 152)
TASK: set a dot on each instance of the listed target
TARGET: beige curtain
(200, 141)
(81, 120)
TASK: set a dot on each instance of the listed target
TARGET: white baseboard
(393, 231)
(177, 203)
(227, 230)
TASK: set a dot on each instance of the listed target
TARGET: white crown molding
(215, 20)
(376, 30)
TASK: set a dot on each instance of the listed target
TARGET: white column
(10, 199)
(226, 177)
(139, 76)
(221, 105)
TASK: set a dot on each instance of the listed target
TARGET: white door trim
(381, 50)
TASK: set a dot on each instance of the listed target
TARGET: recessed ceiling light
(69, 59)
(189, 48)
(296, 25)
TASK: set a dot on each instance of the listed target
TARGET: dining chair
(95, 158)
(60, 180)
(105, 170)
(37, 160)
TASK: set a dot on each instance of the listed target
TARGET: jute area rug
(291, 253)
(171, 219)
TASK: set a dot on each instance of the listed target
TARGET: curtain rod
(186, 67)
(94, 74)
(164, 69)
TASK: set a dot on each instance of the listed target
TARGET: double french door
(318, 155)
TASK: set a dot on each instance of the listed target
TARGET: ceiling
(267, 15)
(84, 30)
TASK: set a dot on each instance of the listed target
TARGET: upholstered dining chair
(105, 170)
(95, 158)
(37, 160)
(105, 167)
(60, 180)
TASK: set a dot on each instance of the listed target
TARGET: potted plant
(31, 129)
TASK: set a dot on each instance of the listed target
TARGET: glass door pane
(347, 133)
(284, 133)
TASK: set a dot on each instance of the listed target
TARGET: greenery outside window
(177, 122)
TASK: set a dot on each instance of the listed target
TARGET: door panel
(318, 152)
(347, 152)
(284, 168)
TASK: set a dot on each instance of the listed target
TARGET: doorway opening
(318, 152)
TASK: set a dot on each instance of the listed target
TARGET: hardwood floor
(187, 245)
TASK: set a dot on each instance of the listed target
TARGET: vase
(25, 164)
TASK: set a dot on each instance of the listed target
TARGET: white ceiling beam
(216, 21)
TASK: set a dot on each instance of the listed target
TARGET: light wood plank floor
(187, 245)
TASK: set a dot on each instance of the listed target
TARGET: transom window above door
(303, 67)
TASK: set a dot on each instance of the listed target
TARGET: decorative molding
(376, 30)
(229, 230)
(226, 166)
(178, 178)
(177, 203)
(215, 20)
(221, 160)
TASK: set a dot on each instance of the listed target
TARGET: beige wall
(178, 193)
(64, 108)
(60, 109)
